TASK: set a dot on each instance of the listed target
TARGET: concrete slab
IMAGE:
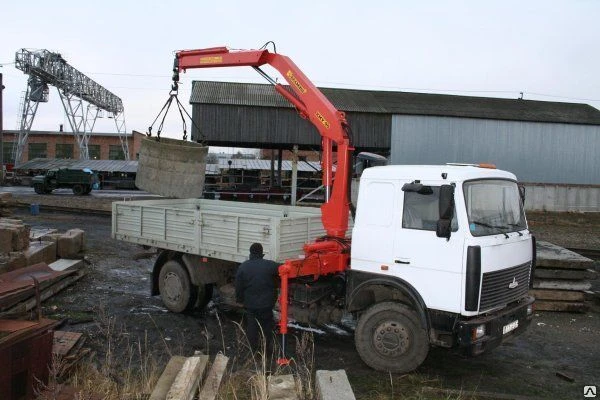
(39, 233)
(167, 378)
(551, 255)
(65, 264)
(333, 385)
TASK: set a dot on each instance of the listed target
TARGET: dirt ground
(112, 304)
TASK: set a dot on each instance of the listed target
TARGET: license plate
(510, 327)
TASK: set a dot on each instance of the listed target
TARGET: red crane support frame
(330, 254)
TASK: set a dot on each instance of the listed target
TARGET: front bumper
(494, 325)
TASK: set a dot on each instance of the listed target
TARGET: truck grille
(496, 287)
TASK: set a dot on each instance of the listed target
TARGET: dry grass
(131, 374)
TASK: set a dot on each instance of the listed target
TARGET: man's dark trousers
(264, 318)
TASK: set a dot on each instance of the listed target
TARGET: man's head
(256, 250)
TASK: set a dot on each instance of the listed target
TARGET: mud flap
(171, 167)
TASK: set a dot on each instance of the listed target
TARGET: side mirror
(443, 228)
(446, 210)
(446, 205)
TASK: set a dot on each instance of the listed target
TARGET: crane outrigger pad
(171, 167)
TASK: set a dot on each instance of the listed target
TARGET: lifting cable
(165, 108)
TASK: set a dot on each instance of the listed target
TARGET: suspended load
(171, 167)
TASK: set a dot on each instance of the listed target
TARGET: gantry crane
(46, 68)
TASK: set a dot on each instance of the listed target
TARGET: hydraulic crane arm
(311, 104)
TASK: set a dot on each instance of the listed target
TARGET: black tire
(389, 337)
(78, 190)
(88, 190)
(205, 293)
(39, 188)
(176, 290)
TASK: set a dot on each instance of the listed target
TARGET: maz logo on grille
(513, 284)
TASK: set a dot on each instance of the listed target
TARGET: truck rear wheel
(39, 188)
(176, 290)
(389, 337)
(78, 190)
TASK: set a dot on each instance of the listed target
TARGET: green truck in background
(81, 181)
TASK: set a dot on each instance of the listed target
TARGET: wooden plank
(185, 385)
(282, 387)
(560, 306)
(572, 274)
(210, 388)
(562, 285)
(564, 295)
(167, 378)
(333, 385)
(551, 255)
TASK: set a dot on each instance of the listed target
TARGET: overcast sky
(546, 49)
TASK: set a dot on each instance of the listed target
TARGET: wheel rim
(173, 287)
(391, 339)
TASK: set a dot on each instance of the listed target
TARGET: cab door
(432, 264)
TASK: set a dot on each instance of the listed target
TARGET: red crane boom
(330, 254)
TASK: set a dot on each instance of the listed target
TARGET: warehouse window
(7, 152)
(64, 150)
(115, 152)
(38, 150)
(94, 151)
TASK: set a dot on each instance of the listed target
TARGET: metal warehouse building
(551, 146)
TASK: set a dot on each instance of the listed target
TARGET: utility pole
(1, 132)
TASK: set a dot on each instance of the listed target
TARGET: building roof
(388, 102)
(131, 166)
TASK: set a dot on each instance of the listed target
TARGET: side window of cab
(421, 209)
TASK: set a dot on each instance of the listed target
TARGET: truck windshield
(493, 207)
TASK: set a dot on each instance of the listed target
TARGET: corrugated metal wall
(535, 152)
(270, 127)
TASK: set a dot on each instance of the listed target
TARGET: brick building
(63, 145)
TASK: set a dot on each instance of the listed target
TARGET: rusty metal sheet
(13, 325)
(18, 284)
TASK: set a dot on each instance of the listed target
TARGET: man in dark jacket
(255, 289)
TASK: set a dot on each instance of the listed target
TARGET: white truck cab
(451, 239)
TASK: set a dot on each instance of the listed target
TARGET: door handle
(402, 261)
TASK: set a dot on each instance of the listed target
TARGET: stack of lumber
(186, 378)
(561, 278)
(68, 351)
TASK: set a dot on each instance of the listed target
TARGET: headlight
(478, 332)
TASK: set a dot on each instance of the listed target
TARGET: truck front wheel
(78, 190)
(176, 290)
(39, 188)
(389, 337)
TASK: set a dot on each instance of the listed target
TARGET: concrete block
(282, 387)
(333, 385)
(12, 261)
(5, 241)
(40, 252)
(79, 233)
(40, 233)
(19, 232)
(69, 244)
